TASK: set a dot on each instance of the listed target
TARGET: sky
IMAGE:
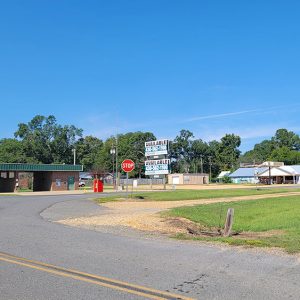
(108, 67)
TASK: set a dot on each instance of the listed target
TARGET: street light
(113, 152)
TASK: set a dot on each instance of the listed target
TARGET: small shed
(188, 178)
(222, 175)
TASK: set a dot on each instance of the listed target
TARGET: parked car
(81, 183)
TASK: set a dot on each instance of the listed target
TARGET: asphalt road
(36, 256)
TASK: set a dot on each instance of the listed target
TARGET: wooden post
(228, 222)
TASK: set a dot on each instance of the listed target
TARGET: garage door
(175, 180)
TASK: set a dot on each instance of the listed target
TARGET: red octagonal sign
(127, 165)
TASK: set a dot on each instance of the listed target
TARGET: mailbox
(98, 186)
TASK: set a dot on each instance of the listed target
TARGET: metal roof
(39, 167)
(223, 174)
(275, 171)
(246, 172)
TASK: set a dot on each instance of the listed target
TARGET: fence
(140, 181)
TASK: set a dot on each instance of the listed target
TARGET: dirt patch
(249, 235)
(144, 215)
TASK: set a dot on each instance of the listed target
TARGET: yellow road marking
(90, 278)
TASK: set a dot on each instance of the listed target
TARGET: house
(246, 175)
(275, 175)
(283, 174)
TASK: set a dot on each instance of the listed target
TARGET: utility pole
(113, 152)
(209, 159)
(74, 157)
(201, 161)
(117, 169)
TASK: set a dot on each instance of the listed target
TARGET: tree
(228, 152)
(278, 148)
(12, 151)
(181, 151)
(87, 149)
(285, 138)
(45, 141)
(200, 152)
(130, 145)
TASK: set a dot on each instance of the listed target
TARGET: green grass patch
(279, 216)
(200, 194)
(22, 190)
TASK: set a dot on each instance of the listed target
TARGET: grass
(199, 194)
(256, 216)
(22, 190)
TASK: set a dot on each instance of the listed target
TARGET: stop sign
(127, 165)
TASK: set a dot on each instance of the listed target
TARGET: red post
(98, 186)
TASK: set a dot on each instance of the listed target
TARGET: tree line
(44, 140)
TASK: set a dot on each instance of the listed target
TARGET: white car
(81, 183)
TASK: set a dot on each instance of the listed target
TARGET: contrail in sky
(220, 115)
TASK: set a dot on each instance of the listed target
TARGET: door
(71, 182)
(175, 180)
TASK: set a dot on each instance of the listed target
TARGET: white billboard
(158, 147)
(157, 167)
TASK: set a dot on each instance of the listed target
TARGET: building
(246, 175)
(274, 175)
(52, 177)
(222, 175)
(188, 178)
(281, 175)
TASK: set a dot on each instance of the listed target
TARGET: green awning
(39, 167)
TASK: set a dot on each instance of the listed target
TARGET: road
(38, 258)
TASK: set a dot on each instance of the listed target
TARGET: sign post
(127, 166)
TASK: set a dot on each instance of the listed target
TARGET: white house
(280, 175)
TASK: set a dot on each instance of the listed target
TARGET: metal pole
(209, 158)
(117, 179)
(201, 156)
(126, 184)
(113, 170)
(74, 158)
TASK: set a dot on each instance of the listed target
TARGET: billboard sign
(157, 167)
(158, 147)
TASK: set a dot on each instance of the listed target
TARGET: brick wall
(60, 180)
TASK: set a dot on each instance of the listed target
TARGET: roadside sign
(158, 147)
(127, 165)
(157, 167)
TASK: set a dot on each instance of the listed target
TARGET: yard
(197, 194)
(272, 222)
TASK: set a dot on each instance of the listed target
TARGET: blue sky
(213, 67)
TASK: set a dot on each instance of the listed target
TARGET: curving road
(38, 259)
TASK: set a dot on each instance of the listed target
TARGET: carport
(52, 177)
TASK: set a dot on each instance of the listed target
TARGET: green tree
(285, 138)
(200, 151)
(286, 155)
(181, 151)
(12, 151)
(45, 141)
(130, 145)
(228, 152)
(87, 149)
